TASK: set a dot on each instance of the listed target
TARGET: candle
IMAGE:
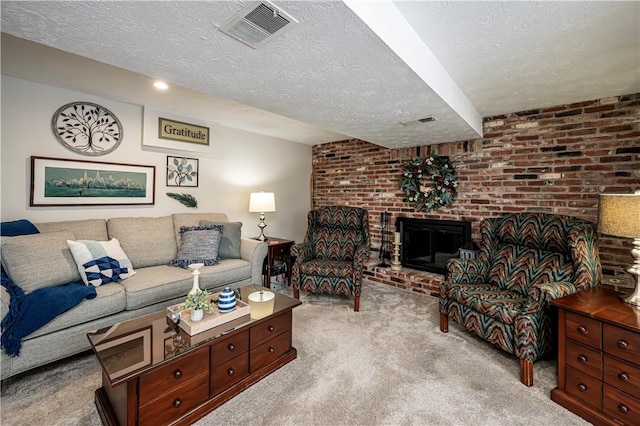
(396, 238)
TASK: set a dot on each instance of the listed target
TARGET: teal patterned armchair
(333, 254)
(525, 261)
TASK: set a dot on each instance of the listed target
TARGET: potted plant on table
(197, 303)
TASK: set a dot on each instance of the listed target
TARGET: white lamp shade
(619, 215)
(262, 202)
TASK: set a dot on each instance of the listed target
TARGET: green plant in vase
(197, 303)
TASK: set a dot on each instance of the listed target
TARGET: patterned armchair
(334, 251)
(525, 261)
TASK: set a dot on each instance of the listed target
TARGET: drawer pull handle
(177, 403)
(271, 328)
(230, 372)
(623, 376)
(622, 344)
(582, 358)
(271, 349)
(582, 387)
(623, 408)
(231, 346)
(582, 330)
(177, 374)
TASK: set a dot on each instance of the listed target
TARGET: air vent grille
(257, 23)
(263, 17)
(427, 119)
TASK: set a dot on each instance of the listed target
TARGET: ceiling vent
(423, 120)
(257, 23)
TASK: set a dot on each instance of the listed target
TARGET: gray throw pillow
(39, 260)
(198, 244)
(230, 241)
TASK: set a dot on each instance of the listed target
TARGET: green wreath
(442, 190)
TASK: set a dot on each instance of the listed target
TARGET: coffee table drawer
(167, 378)
(270, 328)
(229, 347)
(173, 405)
(269, 351)
(229, 373)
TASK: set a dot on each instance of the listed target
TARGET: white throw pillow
(100, 262)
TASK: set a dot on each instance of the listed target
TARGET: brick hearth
(422, 282)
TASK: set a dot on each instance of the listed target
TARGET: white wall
(238, 163)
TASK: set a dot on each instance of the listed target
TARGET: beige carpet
(386, 365)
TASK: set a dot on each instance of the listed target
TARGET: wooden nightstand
(598, 357)
(279, 249)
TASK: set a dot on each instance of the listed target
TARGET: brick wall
(554, 160)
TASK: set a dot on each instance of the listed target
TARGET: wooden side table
(598, 357)
(279, 249)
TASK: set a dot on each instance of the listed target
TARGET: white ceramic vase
(195, 267)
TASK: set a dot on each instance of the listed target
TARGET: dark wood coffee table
(154, 373)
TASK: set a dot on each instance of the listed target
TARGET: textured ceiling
(348, 69)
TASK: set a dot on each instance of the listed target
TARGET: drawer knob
(622, 344)
(177, 374)
(231, 346)
(230, 372)
(582, 358)
(582, 387)
(271, 328)
(271, 349)
(623, 376)
(177, 403)
(582, 330)
(623, 408)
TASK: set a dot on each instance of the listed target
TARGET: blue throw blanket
(27, 313)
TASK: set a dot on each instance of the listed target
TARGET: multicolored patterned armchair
(334, 251)
(525, 261)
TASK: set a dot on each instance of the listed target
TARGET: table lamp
(262, 202)
(619, 215)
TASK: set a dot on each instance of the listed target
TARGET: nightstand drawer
(229, 347)
(270, 328)
(176, 403)
(622, 343)
(584, 330)
(584, 359)
(167, 378)
(280, 250)
(621, 406)
(622, 375)
(229, 373)
(584, 387)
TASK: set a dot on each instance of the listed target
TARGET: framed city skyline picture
(62, 182)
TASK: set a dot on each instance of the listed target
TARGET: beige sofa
(150, 244)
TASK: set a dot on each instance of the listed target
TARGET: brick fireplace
(554, 160)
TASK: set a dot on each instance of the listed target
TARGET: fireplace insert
(428, 244)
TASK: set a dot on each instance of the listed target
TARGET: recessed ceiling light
(160, 85)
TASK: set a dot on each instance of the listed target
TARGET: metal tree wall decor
(87, 128)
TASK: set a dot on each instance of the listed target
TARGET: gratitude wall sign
(182, 132)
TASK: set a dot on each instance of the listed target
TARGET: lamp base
(633, 298)
(261, 225)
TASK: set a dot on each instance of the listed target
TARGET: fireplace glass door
(427, 244)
